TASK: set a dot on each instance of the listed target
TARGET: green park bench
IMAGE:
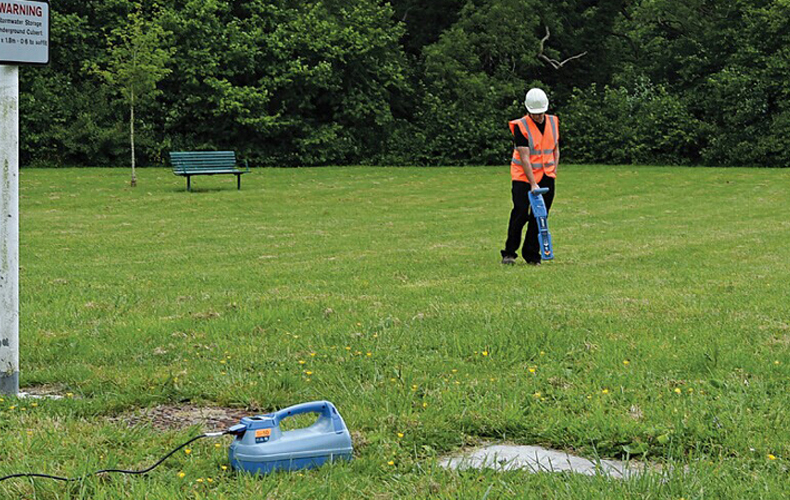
(189, 163)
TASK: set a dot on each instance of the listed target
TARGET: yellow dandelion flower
(626, 362)
(200, 480)
(209, 480)
(776, 362)
(187, 451)
(69, 395)
(307, 380)
(369, 354)
(301, 361)
(2, 400)
(217, 445)
(33, 404)
(537, 394)
(224, 467)
(605, 391)
(532, 369)
(222, 361)
(312, 354)
(393, 380)
(181, 475)
(771, 457)
(400, 434)
(12, 407)
(485, 353)
(677, 390)
(542, 353)
(23, 409)
(690, 390)
(391, 462)
(455, 370)
(414, 388)
(425, 405)
(308, 372)
(348, 348)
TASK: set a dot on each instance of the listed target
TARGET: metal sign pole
(25, 40)
(9, 230)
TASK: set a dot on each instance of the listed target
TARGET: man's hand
(534, 186)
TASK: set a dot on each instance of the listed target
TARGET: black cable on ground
(103, 471)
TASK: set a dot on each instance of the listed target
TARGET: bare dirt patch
(44, 391)
(181, 416)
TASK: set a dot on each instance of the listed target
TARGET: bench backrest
(196, 161)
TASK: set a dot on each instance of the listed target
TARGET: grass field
(661, 330)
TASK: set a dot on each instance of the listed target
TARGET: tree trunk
(131, 133)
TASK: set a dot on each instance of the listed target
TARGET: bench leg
(189, 184)
(238, 182)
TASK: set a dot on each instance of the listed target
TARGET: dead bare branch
(553, 62)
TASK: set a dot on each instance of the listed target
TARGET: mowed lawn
(661, 330)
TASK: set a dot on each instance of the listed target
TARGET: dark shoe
(533, 262)
(509, 260)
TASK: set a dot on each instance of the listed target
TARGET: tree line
(409, 82)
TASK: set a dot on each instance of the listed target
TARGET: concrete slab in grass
(537, 459)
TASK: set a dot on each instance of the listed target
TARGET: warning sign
(24, 32)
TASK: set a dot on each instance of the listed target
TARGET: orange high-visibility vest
(541, 148)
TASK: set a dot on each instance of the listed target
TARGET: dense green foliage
(409, 82)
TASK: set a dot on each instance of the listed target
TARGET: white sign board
(24, 32)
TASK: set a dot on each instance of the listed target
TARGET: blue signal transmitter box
(261, 447)
(541, 215)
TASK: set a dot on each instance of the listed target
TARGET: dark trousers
(521, 215)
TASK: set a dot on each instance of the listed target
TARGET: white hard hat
(536, 101)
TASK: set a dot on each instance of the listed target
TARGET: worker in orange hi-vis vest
(536, 154)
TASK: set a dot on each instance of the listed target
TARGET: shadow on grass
(202, 190)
